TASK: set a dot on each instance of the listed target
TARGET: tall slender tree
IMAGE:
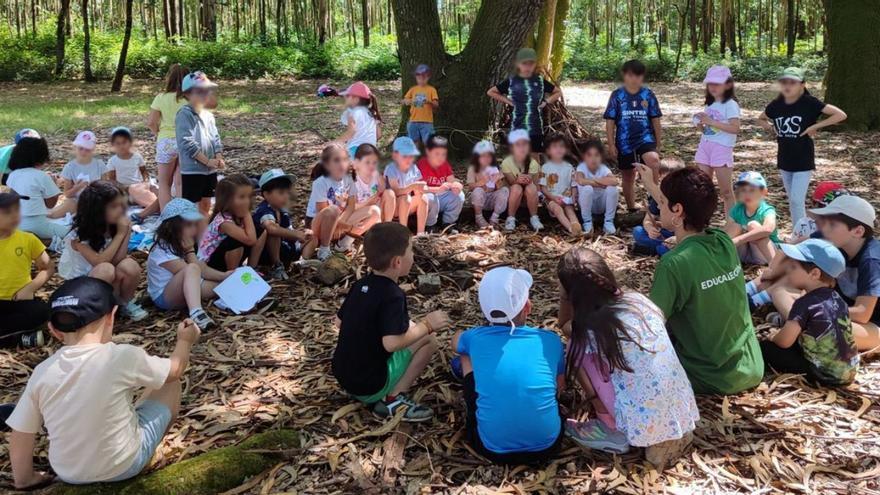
(61, 36)
(87, 44)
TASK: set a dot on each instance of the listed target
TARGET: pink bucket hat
(717, 74)
(85, 139)
(358, 89)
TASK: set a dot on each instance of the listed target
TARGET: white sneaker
(510, 224)
(134, 311)
(588, 228)
(345, 243)
(324, 252)
(609, 228)
(536, 224)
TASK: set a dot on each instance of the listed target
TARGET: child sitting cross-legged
(370, 186)
(176, 279)
(597, 188)
(444, 191)
(621, 354)
(83, 392)
(380, 353)
(231, 228)
(85, 167)
(652, 238)
(752, 221)
(512, 374)
(405, 179)
(488, 187)
(39, 192)
(522, 173)
(128, 169)
(557, 185)
(23, 313)
(817, 339)
(278, 244)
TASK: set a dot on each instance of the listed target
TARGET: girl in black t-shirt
(793, 117)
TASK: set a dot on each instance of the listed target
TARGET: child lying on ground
(405, 179)
(380, 352)
(128, 169)
(278, 244)
(557, 185)
(512, 374)
(817, 338)
(488, 187)
(444, 191)
(522, 173)
(597, 189)
(621, 354)
(82, 394)
(752, 221)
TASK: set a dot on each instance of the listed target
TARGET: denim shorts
(420, 131)
(153, 419)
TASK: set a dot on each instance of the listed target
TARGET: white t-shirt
(366, 190)
(72, 264)
(364, 126)
(557, 177)
(35, 184)
(492, 174)
(722, 112)
(157, 276)
(602, 171)
(89, 172)
(404, 179)
(128, 171)
(328, 189)
(84, 394)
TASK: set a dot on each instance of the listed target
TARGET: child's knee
(104, 271)
(374, 211)
(516, 191)
(129, 267)
(329, 213)
(753, 225)
(651, 159)
(531, 190)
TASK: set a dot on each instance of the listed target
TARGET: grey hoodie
(196, 133)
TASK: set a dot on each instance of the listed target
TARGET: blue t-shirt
(862, 276)
(515, 377)
(632, 113)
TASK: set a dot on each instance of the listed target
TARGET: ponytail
(320, 168)
(373, 106)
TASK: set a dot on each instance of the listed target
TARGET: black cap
(81, 301)
(8, 197)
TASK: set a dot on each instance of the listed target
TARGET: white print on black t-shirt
(789, 127)
(726, 277)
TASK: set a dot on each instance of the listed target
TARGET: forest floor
(260, 372)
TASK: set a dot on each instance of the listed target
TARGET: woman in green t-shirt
(699, 286)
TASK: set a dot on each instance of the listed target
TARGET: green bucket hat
(526, 55)
(793, 73)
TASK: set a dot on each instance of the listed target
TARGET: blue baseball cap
(272, 174)
(819, 252)
(25, 133)
(422, 69)
(183, 208)
(752, 178)
(196, 80)
(405, 146)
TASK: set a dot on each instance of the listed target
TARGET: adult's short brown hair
(694, 190)
(383, 242)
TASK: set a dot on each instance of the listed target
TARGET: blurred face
(717, 90)
(521, 149)
(633, 81)
(790, 88)
(10, 217)
(189, 230)
(750, 195)
(406, 261)
(278, 198)
(404, 162)
(115, 210)
(211, 100)
(799, 278)
(422, 79)
(593, 159)
(83, 155)
(337, 166)
(352, 101)
(527, 68)
(838, 233)
(556, 151)
(367, 166)
(241, 203)
(437, 156)
(670, 215)
(486, 160)
(198, 97)
(121, 145)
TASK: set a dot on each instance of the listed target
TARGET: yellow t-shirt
(167, 104)
(421, 109)
(17, 252)
(508, 167)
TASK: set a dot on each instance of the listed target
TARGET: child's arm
(71, 188)
(434, 321)
(835, 116)
(647, 176)
(658, 131)
(611, 136)
(246, 234)
(153, 120)
(46, 268)
(863, 309)
(211, 274)
(497, 96)
(554, 96)
(608, 181)
(652, 226)
(788, 335)
(123, 226)
(106, 255)
(349, 130)
(582, 180)
(187, 335)
(765, 123)
(21, 456)
(109, 175)
(767, 228)
(731, 126)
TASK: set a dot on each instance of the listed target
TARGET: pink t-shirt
(212, 237)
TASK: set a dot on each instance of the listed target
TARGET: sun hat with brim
(819, 252)
(85, 140)
(850, 206)
(196, 80)
(793, 73)
(503, 293)
(8, 197)
(751, 178)
(358, 89)
(484, 147)
(25, 133)
(517, 136)
(183, 208)
(274, 174)
(79, 302)
(526, 55)
(717, 74)
(405, 146)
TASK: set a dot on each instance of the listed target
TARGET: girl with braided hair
(620, 353)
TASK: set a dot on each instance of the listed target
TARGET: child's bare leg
(421, 213)
(233, 258)
(364, 218)
(68, 205)
(309, 249)
(128, 274)
(324, 225)
(531, 194)
(629, 188)
(141, 194)
(514, 200)
(150, 210)
(183, 288)
(775, 270)
(574, 223)
(866, 336)
(725, 185)
(422, 352)
(207, 289)
(387, 203)
(652, 160)
(558, 213)
(168, 395)
(104, 271)
(256, 251)
(404, 206)
(766, 249)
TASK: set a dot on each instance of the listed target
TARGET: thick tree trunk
(497, 33)
(87, 44)
(123, 53)
(60, 37)
(544, 41)
(208, 18)
(557, 53)
(853, 36)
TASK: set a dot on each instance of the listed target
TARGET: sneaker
(134, 311)
(481, 222)
(33, 339)
(510, 224)
(324, 252)
(536, 224)
(415, 413)
(201, 319)
(775, 319)
(588, 228)
(455, 368)
(345, 243)
(279, 273)
(593, 434)
(609, 228)
(136, 219)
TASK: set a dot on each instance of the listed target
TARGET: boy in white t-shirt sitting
(83, 394)
(597, 188)
(128, 169)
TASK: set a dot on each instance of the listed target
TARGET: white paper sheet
(242, 290)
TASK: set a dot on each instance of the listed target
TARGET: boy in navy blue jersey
(277, 243)
(632, 126)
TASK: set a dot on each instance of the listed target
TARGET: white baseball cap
(518, 135)
(484, 147)
(506, 290)
(851, 206)
(85, 139)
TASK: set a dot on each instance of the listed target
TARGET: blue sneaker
(455, 368)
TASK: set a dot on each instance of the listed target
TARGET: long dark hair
(320, 169)
(362, 151)
(29, 152)
(168, 236)
(372, 104)
(729, 94)
(90, 222)
(174, 79)
(596, 299)
(225, 193)
(475, 161)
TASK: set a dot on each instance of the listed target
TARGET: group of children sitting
(638, 359)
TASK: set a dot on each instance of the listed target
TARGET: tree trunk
(123, 52)
(852, 30)
(557, 54)
(544, 42)
(60, 37)
(791, 19)
(497, 33)
(87, 42)
(208, 19)
(365, 21)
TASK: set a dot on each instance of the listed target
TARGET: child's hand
(188, 332)
(407, 101)
(653, 232)
(187, 243)
(645, 173)
(213, 163)
(810, 131)
(612, 150)
(123, 225)
(437, 320)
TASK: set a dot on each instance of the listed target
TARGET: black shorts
(511, 458)
(217, 260)
(197, 187)
(627, 161)
(537, 141)
(287, 254)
